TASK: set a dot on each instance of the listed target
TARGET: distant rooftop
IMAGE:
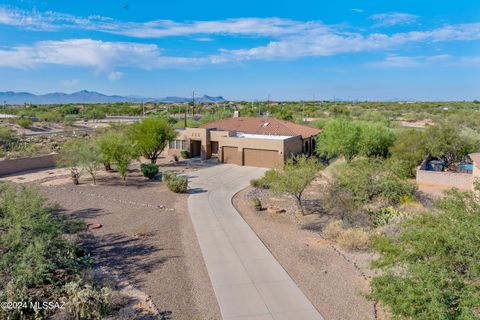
(263, 126)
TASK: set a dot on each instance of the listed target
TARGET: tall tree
(116, 148)
(340, 138)
(151, 136)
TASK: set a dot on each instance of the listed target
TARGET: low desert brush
(351, 239)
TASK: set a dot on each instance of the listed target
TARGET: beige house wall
(284, 148)
(461, 181)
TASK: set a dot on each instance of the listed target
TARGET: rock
(275, 210)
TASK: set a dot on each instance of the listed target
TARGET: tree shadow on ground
(313, 206)
(88, 213)
(130, 256)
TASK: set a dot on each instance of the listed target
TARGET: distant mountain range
(88, 97)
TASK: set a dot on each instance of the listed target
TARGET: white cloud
(397, 61)
(393, 19)
(330, 42)
(100, 56)
(50, 21)
(115, 75)
(203, 39)
(357, 10)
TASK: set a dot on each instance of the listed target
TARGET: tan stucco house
(246, 141)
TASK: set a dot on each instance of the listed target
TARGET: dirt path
(333, 284)
(147, 236)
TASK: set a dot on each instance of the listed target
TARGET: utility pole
(143, 108)
(303, 111)
(193, 103)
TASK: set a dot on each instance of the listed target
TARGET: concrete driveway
(248, 281)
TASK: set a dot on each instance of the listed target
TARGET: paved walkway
(248, 281)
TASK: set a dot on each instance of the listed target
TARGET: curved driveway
(248, 281)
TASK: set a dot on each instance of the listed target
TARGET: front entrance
(214, 147)
(195, 148)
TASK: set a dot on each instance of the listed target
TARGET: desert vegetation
(40, 261)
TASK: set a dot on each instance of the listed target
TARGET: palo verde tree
(116, 148)
(81, 155)
(431, 270)
(295, 177)
(151, 136)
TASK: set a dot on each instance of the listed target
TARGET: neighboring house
(246, 141)
(431, 174)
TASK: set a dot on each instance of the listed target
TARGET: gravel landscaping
(146, 237)
(334, 281)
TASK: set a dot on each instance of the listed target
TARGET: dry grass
(351, 239)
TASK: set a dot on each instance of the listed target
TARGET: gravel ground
(335, 282)
(147, 236)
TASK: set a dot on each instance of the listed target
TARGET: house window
(177, 144)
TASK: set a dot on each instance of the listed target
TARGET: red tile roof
(269, 126)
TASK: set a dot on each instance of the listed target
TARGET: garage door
(231, 155)
(262, 158)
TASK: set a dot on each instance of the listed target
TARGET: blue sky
(290, 50)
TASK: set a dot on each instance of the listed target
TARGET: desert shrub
(369, 178)
(430, 269)
(385, 216)
(168, 175)
(257, 204)
(185, 154)
(354, 239)
(34, 248)
(177, 184)
(333, 229)
(7, 136)
(86, 301)
(149, 170)
(265, 181)
(24, 122)
(351, 239)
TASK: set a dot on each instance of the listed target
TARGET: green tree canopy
(151, 136)
(116, 148)
(295, 177)
(81, 154)
(432, 270)
(375, 140)
(408, 152)
(340, 138)
(445, 141)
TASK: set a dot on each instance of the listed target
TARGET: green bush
(149, 170)
(385, 216)
(431, 269)
(257, 204)
(36, 261)
(185, 154)
(168, 175)
(86, 301)
(24, 122)
(177, 184)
